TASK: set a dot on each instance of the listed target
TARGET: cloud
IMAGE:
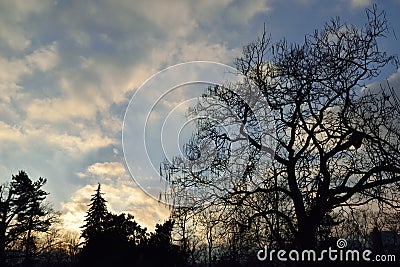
(360, 4)
(8, 114)
(14, 22)
(83, 92)
(176, 15)
(130, 199)
(107, 168)
(80, 144)
(61, 109)
(74, 211)
(14, 70)
(11, 71)
(9, 133)
(121, 193)
(245, 11)
(393, 80)
(394, 83)
(44, 58)
(121, 197)
(84, 142)
(68, 68)
(205, 51)
(81, 39)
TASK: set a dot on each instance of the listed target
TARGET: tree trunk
(28, 258)
(307, 234)
(2, 247)
(306, 238)
(5, 208)
(210, 244)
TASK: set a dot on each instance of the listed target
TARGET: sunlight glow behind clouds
(107, 168)
(121, 196)
(69, 68)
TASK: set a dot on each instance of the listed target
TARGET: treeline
(30, 234)
(193, 236)
(230, 236)
(117, 239)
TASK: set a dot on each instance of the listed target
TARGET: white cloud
(61, 109)
(394, 82)
(74, 210)
(246, 10)
(65, 83)
(130, 199)
(14, 37)
(14, 16)
(9, 133)
(13, 70)
(395, 78)
(80, 144)
(107, 168)
(65, 77)
(111, 123)
(8, 114)
(360, 3)
(206, 51)
(123, 197)
(81, 39)
(28, 137)
(44, 58)
(85, 91)
(168, 15)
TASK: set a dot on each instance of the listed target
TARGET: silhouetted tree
(111, 239)
(98, 242)
(34, 216)
(185, 233)
(336, 142)
(96, 216)
(124, 225)
(22, 213)
(160, 251)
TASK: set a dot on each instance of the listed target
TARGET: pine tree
(22, 214)
(96, 216)
(34, 217)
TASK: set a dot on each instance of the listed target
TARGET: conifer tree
(22, 214)
(96, 216)
(34, 216)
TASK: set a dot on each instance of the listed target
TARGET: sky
(69, 69)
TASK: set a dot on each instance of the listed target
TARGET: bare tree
(337, 142)
(185, 233)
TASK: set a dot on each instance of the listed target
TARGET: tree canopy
(335, 141)
(23, 213)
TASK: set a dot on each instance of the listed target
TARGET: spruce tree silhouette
(95, 251)
(118, 240)
(110, 239)
(96, 216)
